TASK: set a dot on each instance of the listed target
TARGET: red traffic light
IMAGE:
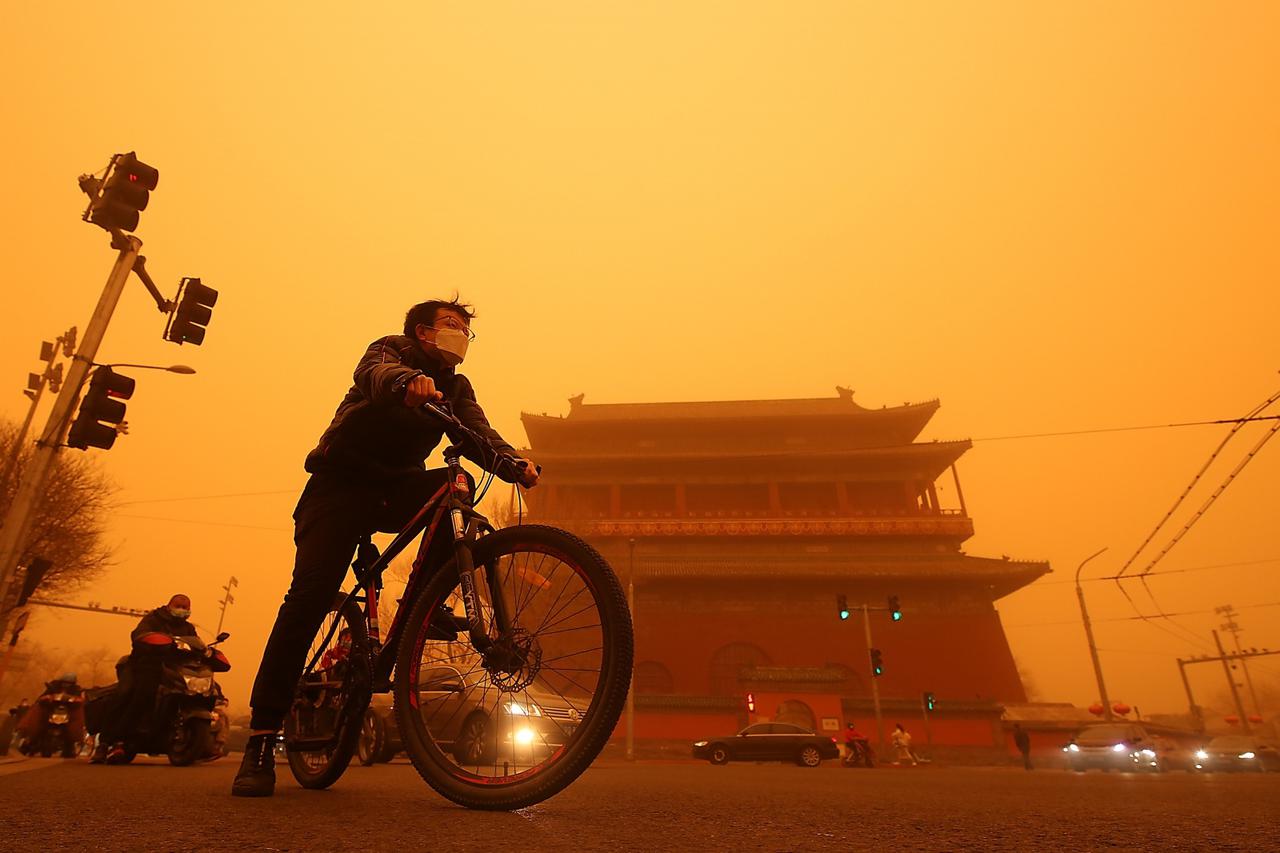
(125, 193)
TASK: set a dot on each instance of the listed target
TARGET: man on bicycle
(367, 473)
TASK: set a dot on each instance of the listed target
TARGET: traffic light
(927, 701)
(36, 571)
(124, 193)
(751, 702)
(877, 664)
(101, 415)
(895, 612)
(192, 314)
(842, 606)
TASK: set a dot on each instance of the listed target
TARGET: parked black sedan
(769, 742)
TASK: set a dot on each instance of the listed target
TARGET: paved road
(619, 807)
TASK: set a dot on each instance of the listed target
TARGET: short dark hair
(425, 313)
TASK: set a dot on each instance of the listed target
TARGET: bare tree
(70, 520)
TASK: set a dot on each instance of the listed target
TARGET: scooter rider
(137, 697)
(368, 472)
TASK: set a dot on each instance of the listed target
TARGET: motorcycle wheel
(190, 742)
(570, 636)
(373, 736)
(330, 704)
(46, 745)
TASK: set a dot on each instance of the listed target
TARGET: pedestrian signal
(751, 702)
(895, 612)
(877, 663)
(928, 702)
(842, 606)
(101, 416)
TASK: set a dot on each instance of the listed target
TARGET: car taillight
(833, 740)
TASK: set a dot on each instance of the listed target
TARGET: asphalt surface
(646, 806)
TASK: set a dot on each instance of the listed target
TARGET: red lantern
(1255, 718)
(1121, 708)
(1097, 709)
(1232, 720)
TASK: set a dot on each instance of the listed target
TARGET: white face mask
(452, 345)
(179, 612)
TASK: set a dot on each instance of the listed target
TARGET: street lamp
(173, 368)
(1088, 633)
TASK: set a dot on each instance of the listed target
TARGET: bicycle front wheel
(517, 723)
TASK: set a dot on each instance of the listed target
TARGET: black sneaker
(99, 754)
(257, 776)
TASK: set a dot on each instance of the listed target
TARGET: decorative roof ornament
(575, 402)
(845, 393)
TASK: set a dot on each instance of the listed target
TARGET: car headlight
(701, 743)
(1245, 755)
(1119, 748)
(1201, 754)
(1073, 747)
(1149, 753)
(515, 709)
(525, 736)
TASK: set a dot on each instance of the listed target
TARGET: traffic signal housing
(751, 702)
(927, 701)
(895, 612)
(842, 606)
(125, 193)
(877, 663)
(102, 411)
(191, 317)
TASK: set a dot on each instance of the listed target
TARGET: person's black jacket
(160, 621)
(374, 436)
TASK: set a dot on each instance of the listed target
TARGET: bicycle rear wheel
(515, 725)
(322, 729)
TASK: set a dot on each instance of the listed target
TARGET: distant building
(748, 519)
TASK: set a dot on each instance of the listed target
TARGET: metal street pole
(1234, 627)
(631, 692)
(1093, 646)
(875, 686)
(21, 516)
(226, 600)
(1196, 714)
(1231, 682)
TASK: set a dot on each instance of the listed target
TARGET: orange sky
(1051, 217)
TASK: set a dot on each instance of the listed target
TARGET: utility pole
(51, 377)
(1229, 613)
(1197, 713)
(227, 599)
(631, 692)
(1231, 682)
(1093, 646)
(21, 516)
(875, 686)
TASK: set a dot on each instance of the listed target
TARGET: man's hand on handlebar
(529, 473)
(421, 389)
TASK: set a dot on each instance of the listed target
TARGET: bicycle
(500, 708)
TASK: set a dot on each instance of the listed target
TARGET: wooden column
(615, 501)
(775, 501)
(682, 505)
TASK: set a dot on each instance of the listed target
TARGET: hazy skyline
(1051, 218)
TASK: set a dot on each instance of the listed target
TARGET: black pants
(135, 701)
(332, 515)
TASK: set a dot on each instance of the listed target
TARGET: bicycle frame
(466, 525)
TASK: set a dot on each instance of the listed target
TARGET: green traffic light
(844, 614)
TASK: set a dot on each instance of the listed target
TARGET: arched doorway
(728, 661)
(797, 713)
(653, 677)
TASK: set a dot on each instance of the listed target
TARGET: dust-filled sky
(1051, 216)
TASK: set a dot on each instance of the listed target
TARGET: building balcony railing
(948, 525)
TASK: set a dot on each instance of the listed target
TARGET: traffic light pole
(18, 521)
(875, 686)
(1231, 682)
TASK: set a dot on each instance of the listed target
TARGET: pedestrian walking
(1022, 741)
(901, 740)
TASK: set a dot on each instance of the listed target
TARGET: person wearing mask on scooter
(136, 698)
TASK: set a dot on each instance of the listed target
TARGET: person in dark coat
(1022, 741)
(140, 679)
(368, 473)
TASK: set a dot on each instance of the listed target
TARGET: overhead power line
(1218, 422)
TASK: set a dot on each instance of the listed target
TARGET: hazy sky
(1050, 216)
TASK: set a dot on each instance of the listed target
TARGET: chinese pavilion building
(740, 522)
